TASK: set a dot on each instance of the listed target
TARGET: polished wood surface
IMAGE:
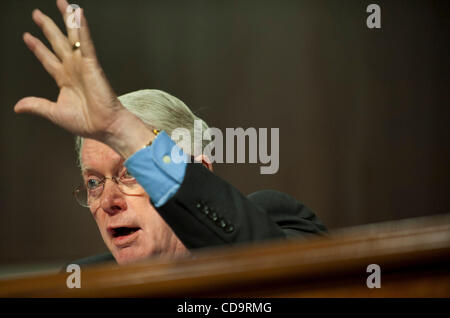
(413, 254)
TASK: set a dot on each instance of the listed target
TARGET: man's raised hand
(86, 106)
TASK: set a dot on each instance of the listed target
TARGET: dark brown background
(363, 114)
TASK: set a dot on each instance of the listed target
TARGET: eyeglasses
(88, 194)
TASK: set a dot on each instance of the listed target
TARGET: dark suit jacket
(207, 211)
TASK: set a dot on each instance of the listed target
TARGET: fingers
(48, 60)
(60, 44)
(35, 105)
(71, 20)
(58, 41)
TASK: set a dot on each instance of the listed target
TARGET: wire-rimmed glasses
(88, 194)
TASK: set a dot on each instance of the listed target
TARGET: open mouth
(123, 231)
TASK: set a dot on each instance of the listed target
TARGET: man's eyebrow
(86, 170)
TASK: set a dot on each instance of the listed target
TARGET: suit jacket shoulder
(295, 218)
(208, 211)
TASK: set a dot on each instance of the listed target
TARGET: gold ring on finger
(76, 46)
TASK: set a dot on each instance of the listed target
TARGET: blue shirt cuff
(159, 169)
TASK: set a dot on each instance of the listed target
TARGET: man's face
(131, 227)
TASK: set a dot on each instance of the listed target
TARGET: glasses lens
(81, 196)
(131, 188)
(87, 198)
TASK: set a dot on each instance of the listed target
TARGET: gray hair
(157, 109)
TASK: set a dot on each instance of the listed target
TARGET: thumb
(34, 105)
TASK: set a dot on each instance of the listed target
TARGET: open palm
(86, 105)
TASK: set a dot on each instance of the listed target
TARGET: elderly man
(144, 203)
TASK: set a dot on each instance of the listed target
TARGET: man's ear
(205, 161)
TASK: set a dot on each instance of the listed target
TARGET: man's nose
(112, 199)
